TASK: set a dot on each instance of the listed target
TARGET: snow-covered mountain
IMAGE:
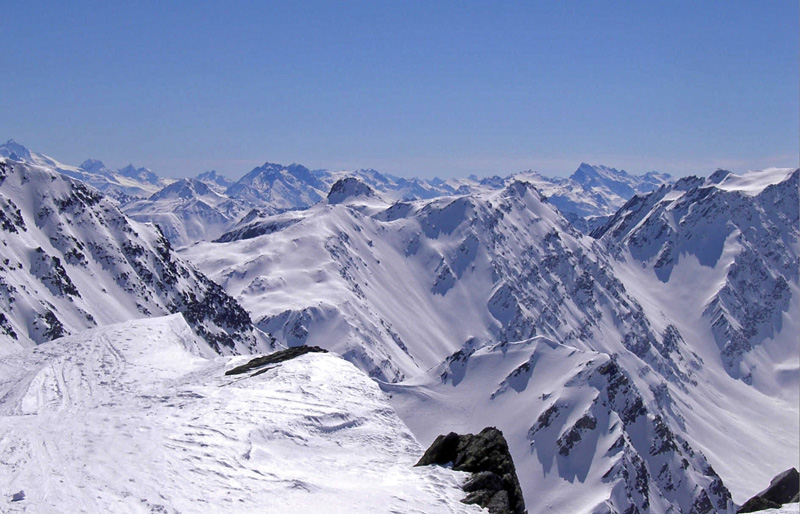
(215, 181)
(739, 234)
(278, 187)
(140, 417)
(71, 261)
(593, 193)
(188, 211)
(582, 436)
(123, 184)
(719, 257)
(400, 289)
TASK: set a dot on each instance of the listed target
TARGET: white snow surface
(787, 508)
(754, 182)
(139, 417)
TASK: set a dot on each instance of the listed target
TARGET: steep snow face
(138, 417)
(743, 231)
(719, 257)
(71, 260)
(582, 436)
(188, 211)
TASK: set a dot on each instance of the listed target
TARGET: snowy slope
(719, 257)
(71, 260)
(580, 432)
(139, 417)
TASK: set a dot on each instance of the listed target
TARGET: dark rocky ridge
(274, 358)
(494, 484)
(784, 488)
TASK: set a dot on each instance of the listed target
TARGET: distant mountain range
(587, 198)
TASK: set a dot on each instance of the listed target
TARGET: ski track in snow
(133, 418)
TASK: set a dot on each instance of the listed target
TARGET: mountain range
(634, 338)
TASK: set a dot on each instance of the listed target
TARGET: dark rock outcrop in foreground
(784, 488)
(494, 484)
(274, 358)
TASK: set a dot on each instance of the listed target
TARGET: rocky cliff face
(494, 484)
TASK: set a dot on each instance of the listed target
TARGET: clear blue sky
(413, 88)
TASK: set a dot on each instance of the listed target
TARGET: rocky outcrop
(274, 358)
(784, 488)
(494, 484)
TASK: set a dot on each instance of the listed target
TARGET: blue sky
(412, 88)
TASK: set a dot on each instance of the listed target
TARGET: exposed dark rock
(346, 188)
(784, 488)
(274, 358)
(495, 485)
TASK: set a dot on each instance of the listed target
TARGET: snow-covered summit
(215, 180)
(184, 189)
(15, 151)
(94, 166)
(140, 174)
(139, 417)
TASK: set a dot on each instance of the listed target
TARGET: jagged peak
(215, 177)
(588, 171)
(12, 149)
(718, 176)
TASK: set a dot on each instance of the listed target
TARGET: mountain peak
(15, 151)
(140, 174)
(348, 188)
(185, 188)
(93, 166)
(718, 176)
(586, 172)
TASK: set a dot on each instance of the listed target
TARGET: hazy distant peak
(13, 149)
(93, 166)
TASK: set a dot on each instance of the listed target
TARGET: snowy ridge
(726, 228)
(580, 433)
(138, 417)
(71, 260)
